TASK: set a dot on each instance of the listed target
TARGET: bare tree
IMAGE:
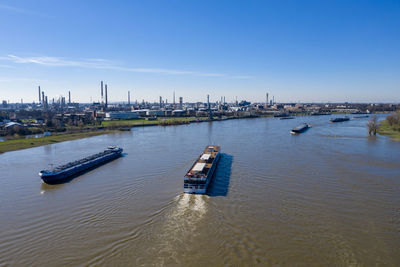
(394, 118)
(372, 125)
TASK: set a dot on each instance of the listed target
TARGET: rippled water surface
(330, 196)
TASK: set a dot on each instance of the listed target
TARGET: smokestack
(106, 95)
(69, 97)
(129, 98)
(40, 100)
(267, 99)
(160, 101)
(42, 97)
(101, 86)
(208, 101)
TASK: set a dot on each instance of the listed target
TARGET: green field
(392, 131)
(18, 144)
(160, 121)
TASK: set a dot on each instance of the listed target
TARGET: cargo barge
(340, 119)
(300, 129)
(200, 174)
(286, 118)
(68, 170)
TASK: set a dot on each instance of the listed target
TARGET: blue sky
(296, 50)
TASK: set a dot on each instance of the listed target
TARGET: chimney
(69, 97)
(40, 100)
(106, 96)
(101, 86)
(43, 97)
(129, 98)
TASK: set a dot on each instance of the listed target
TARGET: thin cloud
(242, 77)
(97, 63)
(6, 66)
(19, 79)
(19, 10)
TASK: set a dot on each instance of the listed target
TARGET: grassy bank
(18, 144)
(387, 130)
(158, 121)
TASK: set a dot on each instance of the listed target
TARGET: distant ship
(300, 129)
(63, 172)
(340, 119)
(319, 113)
(200, 174)
(281, 114)
(286, 118)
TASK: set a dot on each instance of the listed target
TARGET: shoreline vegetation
(107, 127)
(18, 144)
(391, 126)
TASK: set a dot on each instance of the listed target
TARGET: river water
(330, 196)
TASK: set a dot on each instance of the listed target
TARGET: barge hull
(57, 177)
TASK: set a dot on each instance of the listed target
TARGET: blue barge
(68, 170)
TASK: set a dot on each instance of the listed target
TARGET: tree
(393, 119)
(372, 125)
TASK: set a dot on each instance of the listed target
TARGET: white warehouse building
(122, 115)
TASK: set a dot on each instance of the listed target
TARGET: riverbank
(106, 127)
(387, 130)
(156, 122)
(18, 144)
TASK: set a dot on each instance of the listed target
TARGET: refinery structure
(61, 114)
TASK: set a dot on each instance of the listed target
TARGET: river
(330, 196)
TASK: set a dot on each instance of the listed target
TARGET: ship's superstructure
(64, 171)
(200, 174)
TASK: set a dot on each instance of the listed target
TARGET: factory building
(122, 115)
(155, 113)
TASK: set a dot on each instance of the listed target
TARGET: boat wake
(179, 232)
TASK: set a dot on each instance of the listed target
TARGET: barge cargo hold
(68, 170)
(300, 129)
(200, 174)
